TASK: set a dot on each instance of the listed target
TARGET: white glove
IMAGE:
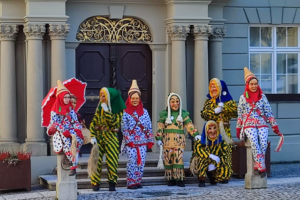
(159, 143)
(211, 167)
(218, 110)
(215, 158)
(221, 104)
(104, 106)
(93, 141)
(198, 137)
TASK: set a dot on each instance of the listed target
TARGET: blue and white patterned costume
(136, 140)
(60, 142)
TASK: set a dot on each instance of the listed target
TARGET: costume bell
(254, 112)
(137, 136)
(220, 107)
(211, 156)
(170, 134)
(65, 127)
(104, 129)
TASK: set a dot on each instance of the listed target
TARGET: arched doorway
(113, 64)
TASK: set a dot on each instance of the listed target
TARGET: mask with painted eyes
(135, 99)
(253, 85)
(102, 97)
(212, 132)
(174, 103)
(67, 99)
(214, 90)
(73, 101)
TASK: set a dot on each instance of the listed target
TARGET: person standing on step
(104, 133)
(170, 134)
(254, 112)
(65, 127)
(211, 156)
(137, 136)
(220, 107)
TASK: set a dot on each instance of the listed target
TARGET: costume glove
(198, 137)
(52, 130)
(218, 110)
(211, 167)
(150, 145)
(276, 130)
(159, 143)
(79, 133)
(238, 132)
(104, 106)
(130, 144)
(93, 141)
(67, 133)
(215, 158)
(221, 104)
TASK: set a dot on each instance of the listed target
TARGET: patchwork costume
(170, 132)
(204, 161)
(65, 128)
(137, 136)
(254, 112)
(227, 110)
(104, 133)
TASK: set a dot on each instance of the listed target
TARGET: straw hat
(134, 88)
(61, 88)
(248, 74)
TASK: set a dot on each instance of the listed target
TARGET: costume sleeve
(201, 150)
(75, 121)
(241, 105)
(160, 130)
(149, 126)
(230, 108)
(114, 120)
(268, 112)
(55, 120)
(208, 112)
(95, 122)
(125, 128)
(191, 128)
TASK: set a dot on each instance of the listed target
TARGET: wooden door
(113, 65)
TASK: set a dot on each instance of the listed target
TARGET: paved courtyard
(284, 184)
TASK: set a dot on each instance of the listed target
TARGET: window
(274, 58)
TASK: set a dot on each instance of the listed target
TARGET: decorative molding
(100, 29)
(202, 32)
(178, 32)
(46, 19)
(218, 32)
(34, 31)
(8, 31)
(59, 31)
(158, 47)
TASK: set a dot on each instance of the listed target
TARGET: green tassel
(59, 109)
(247, 96)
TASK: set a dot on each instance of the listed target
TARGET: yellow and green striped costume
(107, 141)
(223, 168)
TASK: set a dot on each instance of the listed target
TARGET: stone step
(121, 164)
(49, 181)
(122, 172)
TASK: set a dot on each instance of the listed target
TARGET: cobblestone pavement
(284, 184)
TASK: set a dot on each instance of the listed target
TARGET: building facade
(167, 45)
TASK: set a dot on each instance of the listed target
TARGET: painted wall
(239, 15)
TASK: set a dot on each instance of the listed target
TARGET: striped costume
(229, 110)
(201, 158)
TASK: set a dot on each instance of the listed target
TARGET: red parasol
(75, 86)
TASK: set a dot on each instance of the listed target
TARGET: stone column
(58, 34)
(201, 34)
(252, 181)
(215, 52)
(8, 106)
(178, 36)
(35, 140)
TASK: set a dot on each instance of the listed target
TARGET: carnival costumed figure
(73, 99)
(210, 156)
(65, 127)
(220, 107)
(170, 134)
(254, 112)
(104, 135)
(137, 136)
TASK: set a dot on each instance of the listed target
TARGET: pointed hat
(61, 88)
(134, 87)
(248, 74)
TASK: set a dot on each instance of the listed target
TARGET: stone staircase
(152, 175)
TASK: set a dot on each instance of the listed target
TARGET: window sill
(283, 97)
